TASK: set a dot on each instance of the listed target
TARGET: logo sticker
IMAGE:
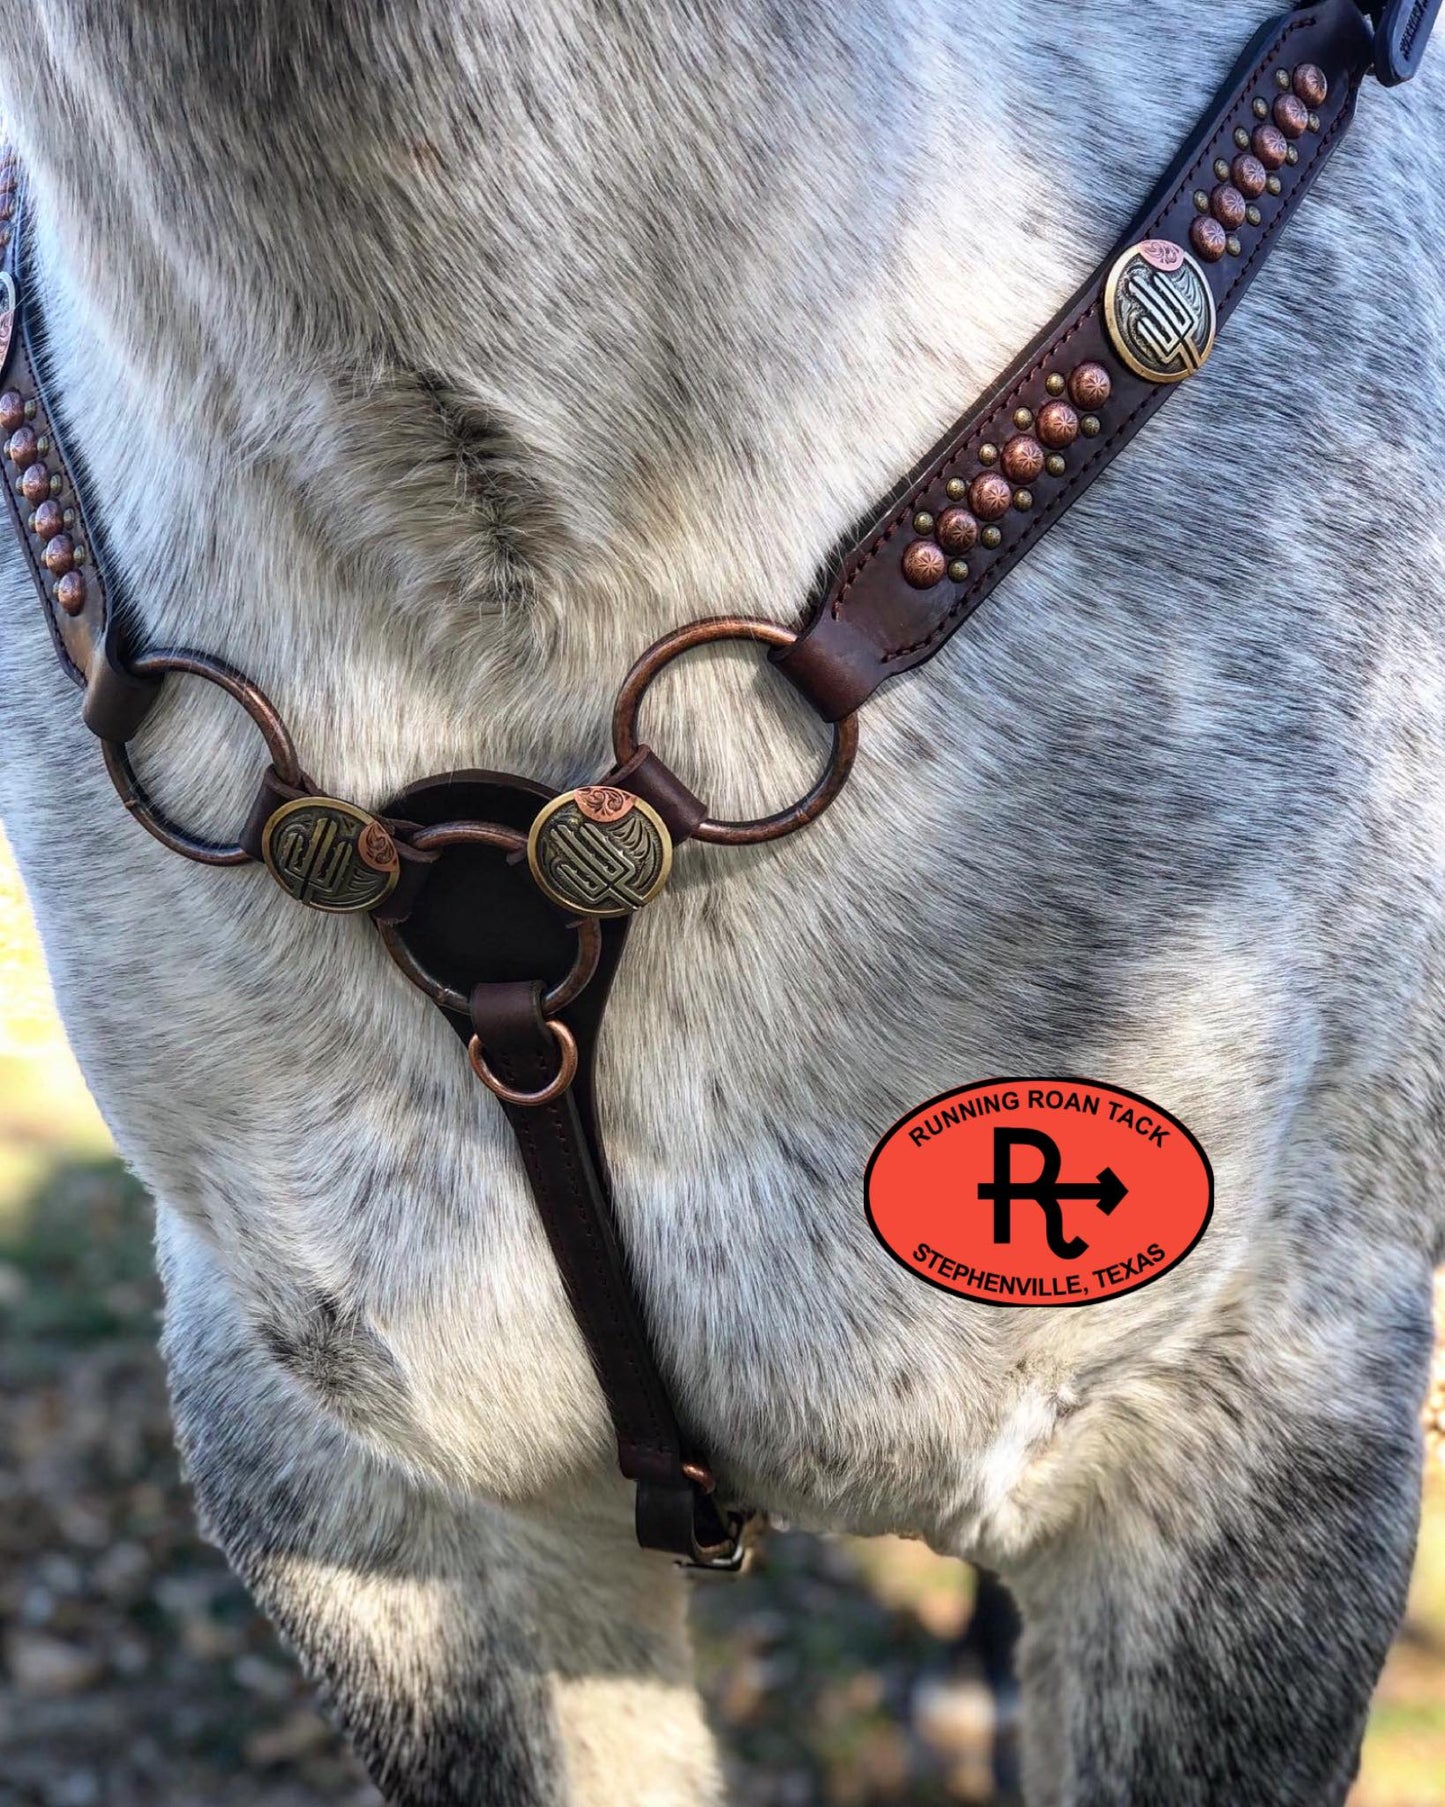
(1039, 1192)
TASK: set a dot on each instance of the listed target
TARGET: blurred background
(135, 1674)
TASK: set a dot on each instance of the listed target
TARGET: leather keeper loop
(117, 701)
(647, 777)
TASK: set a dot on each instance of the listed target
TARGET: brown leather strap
(892, 603)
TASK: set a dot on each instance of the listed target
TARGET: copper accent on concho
(924, 565)
(330, 855)
(601, 865)
(990, 496)
(1311, 84)
(603, 802)
(1159, 310)
(1090, 385)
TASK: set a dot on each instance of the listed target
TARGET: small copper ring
(262, 712)
(587, 929)
(566, 1071)
(734, 627)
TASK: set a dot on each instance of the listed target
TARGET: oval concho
(1159, 309)
(600, 851)
(330, 855)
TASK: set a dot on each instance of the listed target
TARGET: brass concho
(1159, 309)
(600, 851)
(330, 855)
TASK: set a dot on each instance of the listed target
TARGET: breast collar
(509, 905)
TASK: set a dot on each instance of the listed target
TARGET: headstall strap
(509, 905)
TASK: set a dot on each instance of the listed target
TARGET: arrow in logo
(1046, 1189)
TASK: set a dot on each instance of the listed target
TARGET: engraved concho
(1159, 309)
(600, 851)
(330, 855)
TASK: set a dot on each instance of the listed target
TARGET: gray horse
(427, 361)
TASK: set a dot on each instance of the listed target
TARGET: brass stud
(1241, 138)
(1314, 122)
(923, 521)
(1023, 500)
(1054, 383)
(30, 409)
(1089, 426)
(1232, 245)
(1023, 419)
(992, 538)
(1261, 108)
(79, 555)
(957, 489)
(1201, 200)
(958, 570)
(68, 516)
(1281, 79)
(1054, 464)
(1221, 170)
(1291, 153)
(988, 454)
(1253, 215)
(1273, 184)
(42, 445)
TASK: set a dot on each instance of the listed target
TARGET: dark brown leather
(647, 777)
(871, 623)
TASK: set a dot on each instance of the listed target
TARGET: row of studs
(1261, 152)
(992, 493)
(26, 452)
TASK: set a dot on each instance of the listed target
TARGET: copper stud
(1291, 115)
(1311, 84)
(70, 592)
(1090, 426)
(957, 489)
(1054, 383)
(923, 521)
(59, 555)
(1261, 107)
(1248, 175)
(35, 484)
(1058, 424)
(1201, 200)
(1023, 458)
(1274, 185)
(1268, 144)
(990, 496)
(1023, 419)
(958, 570)
(992, 538)
(1227, 205)
(1221, 170)
(1232, 245)
(1023, 500)
(22, 447)
(924, 565)
(1252, 214)
(1090, 385)
(1241, 137)
(12, 410)
(1054, 464)
(957, 530)
(1207, 238)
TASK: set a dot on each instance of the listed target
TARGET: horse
(426, 361)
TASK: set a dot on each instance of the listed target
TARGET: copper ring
(734, 627)
(566, 1071)
(262, 712)
(588, 929)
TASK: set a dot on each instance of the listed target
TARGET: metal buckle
(1402, 30)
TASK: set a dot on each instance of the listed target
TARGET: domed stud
(1091, 426)
(1260, 106)
(1252, 214)
(1054, 464)
(1023, 419)
(1281, 79)
(35, 485)
(1090, 385)
(1268, 144)
(957, 530)
(12, 410)
(1232, 245)
(1023, 500)
(1227, 205)
(70, 592)
(1054, 383)
(1291, 154)
(59, 555)
(924, 565)
(1311, 84)
(957, 489)
(990, 496)
(987, 453)
(1201, 200)
(958, 570)
(1221, 170)
(1241, 137)
(1291, 115)
(1208, 239)
(991, 539)
(22, 448)
(1248, 175)
(923, 521)
(1022, 458)
(1274, 185)
(1057, 425)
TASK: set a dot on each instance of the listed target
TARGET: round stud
(1281, 79)
(1208, 239)
(1054, 464)
(1291, 154)
(35, 485)
(1227, 205)
(1221, 170)
(47, 521)
(22, 448)
(1311, 85)
(12, 410)
(924, 565)
(988, 454)
(1232, 245)
(990, 496)
(1058, 424)
(923, 521)
(957, 489)
(1090, 385)
(1314, 122)
(1252, 214)
(957, 530)
(59, 555)
(1023, 419)
(70, 592)
(1090, 426)
(1201, 200)
(1261, 107)
(1274, 185)
(1241, 137)
(1291, 115)
(1268, 144)
(1023, 500)
(1248, 175)
(30, 409)
(1054, 383)
(68, 516)
(958, 570)
(991, 538)
(1023, 458)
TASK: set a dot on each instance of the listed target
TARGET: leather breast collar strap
(508, 905)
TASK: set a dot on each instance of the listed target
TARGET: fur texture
(429, 360)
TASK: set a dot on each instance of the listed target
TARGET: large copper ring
(510, 841)
(257, 705)
(566, 1069)
(733, 627)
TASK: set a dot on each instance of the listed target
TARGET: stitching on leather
(955, 455)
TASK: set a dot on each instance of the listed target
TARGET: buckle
(1402, 30)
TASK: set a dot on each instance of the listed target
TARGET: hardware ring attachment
(262, 712)
(566, 1069)
(734, 627)
(512, 842)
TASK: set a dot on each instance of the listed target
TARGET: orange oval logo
(1039, 1192)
